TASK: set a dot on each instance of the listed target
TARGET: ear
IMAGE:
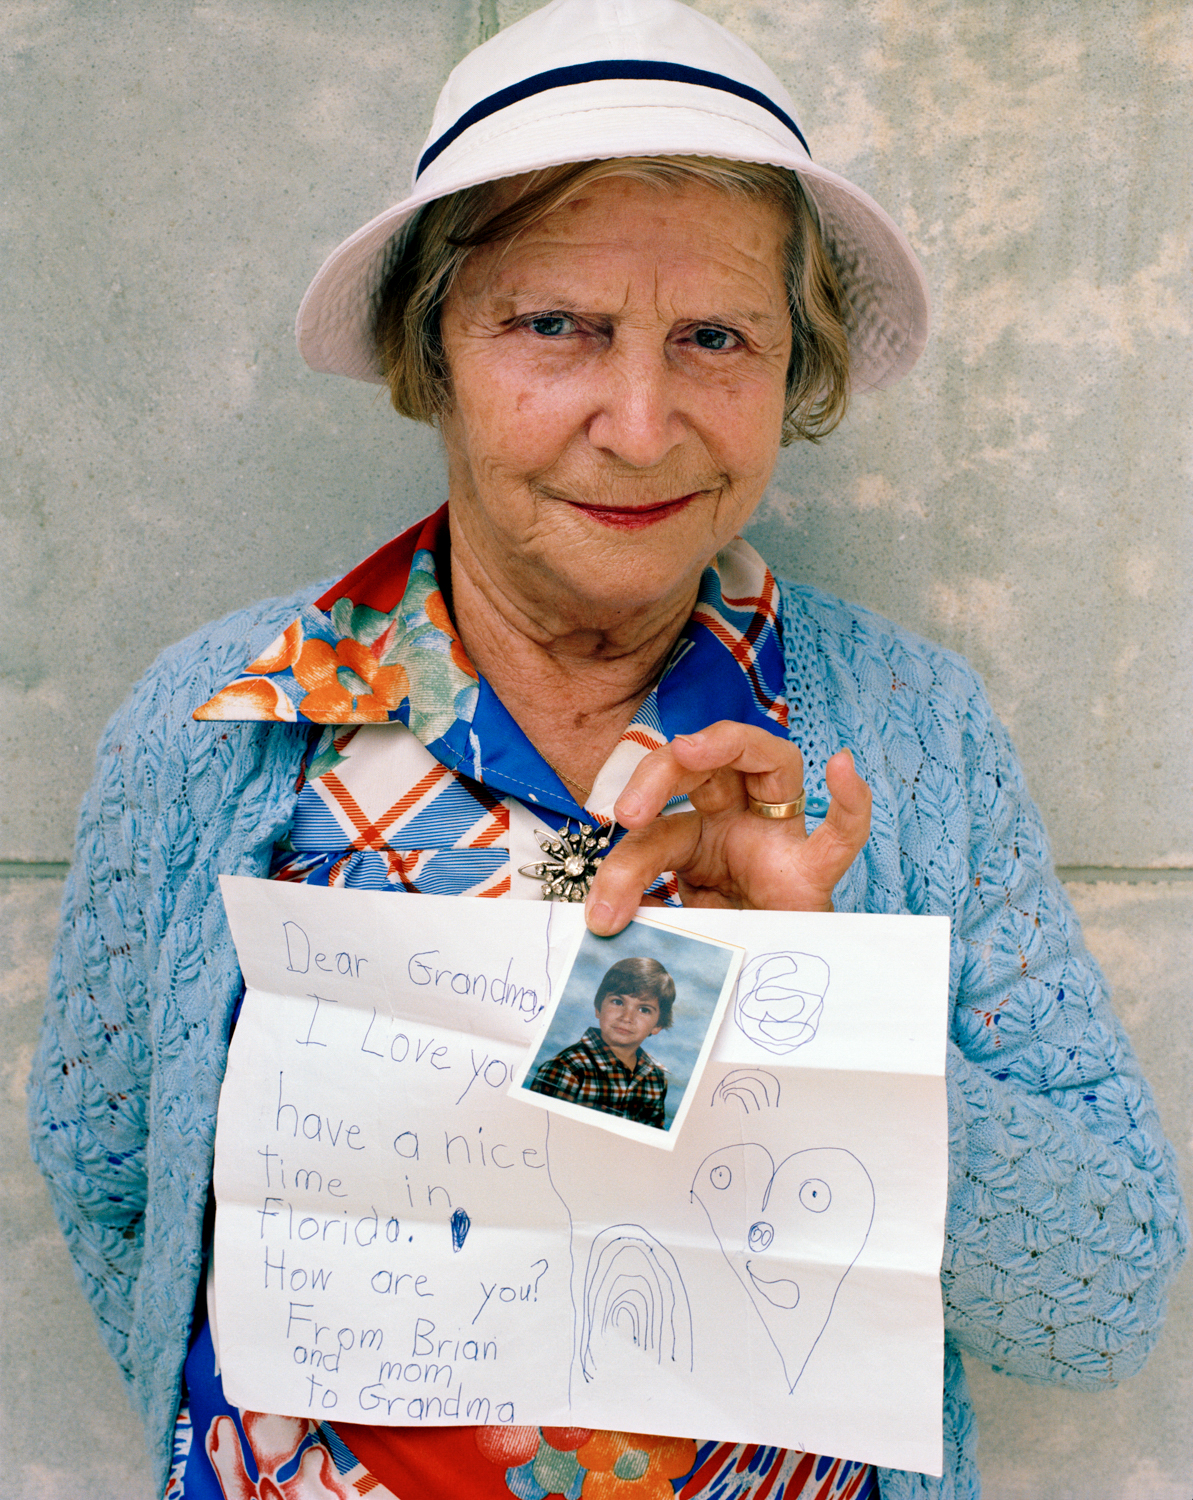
(656, 1031)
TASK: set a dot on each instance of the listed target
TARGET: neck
(627, 1056)
(572, 681)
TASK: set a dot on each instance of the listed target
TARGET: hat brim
(880, 276)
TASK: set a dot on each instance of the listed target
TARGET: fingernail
(599, 916)
(628, 806)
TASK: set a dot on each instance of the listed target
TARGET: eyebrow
(567, 300)
(748, 315)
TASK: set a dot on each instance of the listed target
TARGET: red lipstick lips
(635, 518)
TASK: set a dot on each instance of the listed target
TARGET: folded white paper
(402, 1239)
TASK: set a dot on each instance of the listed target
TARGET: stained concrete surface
(173, 175)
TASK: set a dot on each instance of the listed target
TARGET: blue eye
(712, 338)
(551, 325)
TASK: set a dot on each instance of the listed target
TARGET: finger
(636, 862)
(839, 840)
(774, 766)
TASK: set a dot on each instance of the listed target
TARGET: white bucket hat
(623, 78)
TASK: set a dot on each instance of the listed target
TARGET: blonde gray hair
(425, 262)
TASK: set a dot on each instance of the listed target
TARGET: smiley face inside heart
(790, 1234)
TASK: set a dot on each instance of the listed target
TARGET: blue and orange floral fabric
(450, 807)
(379, 646)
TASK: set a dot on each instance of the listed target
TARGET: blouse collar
(379, 646)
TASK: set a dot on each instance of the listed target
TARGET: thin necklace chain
(563, 776)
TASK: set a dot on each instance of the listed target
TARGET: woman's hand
(724, 854)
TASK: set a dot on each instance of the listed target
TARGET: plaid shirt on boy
(589, 1073)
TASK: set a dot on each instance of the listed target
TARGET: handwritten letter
(401, 1239)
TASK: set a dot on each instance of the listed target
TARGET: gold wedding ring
(778, 809)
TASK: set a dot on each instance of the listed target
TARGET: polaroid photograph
(625, 1043)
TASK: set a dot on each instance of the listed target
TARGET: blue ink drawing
(633, 1290)
(461, 1224)
(753, 1088)
(790, 1234)
(779, 999)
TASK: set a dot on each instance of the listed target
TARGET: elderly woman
(619, 285)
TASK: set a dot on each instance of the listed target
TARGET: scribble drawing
(790, 1233)
(753, 1088)
(633, 1290)
(461, 1224)
(779, 999)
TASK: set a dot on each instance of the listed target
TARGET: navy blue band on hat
(558, 78)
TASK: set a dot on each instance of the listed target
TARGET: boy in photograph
(607, 1068)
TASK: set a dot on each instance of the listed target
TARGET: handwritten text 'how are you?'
(402, 1237)
(387, 1221)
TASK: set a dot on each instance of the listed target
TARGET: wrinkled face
(618, 374)
(627, 1020)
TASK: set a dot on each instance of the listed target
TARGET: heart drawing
(791, 1233)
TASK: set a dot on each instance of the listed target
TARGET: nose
(637, 417)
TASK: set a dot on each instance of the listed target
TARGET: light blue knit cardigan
(1065, 1220)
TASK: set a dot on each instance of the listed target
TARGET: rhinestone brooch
(570, 862)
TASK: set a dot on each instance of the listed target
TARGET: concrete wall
(173, 175)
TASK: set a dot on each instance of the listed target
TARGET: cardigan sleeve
(126, 1075)
(89, 1090)
(1065, 1222)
